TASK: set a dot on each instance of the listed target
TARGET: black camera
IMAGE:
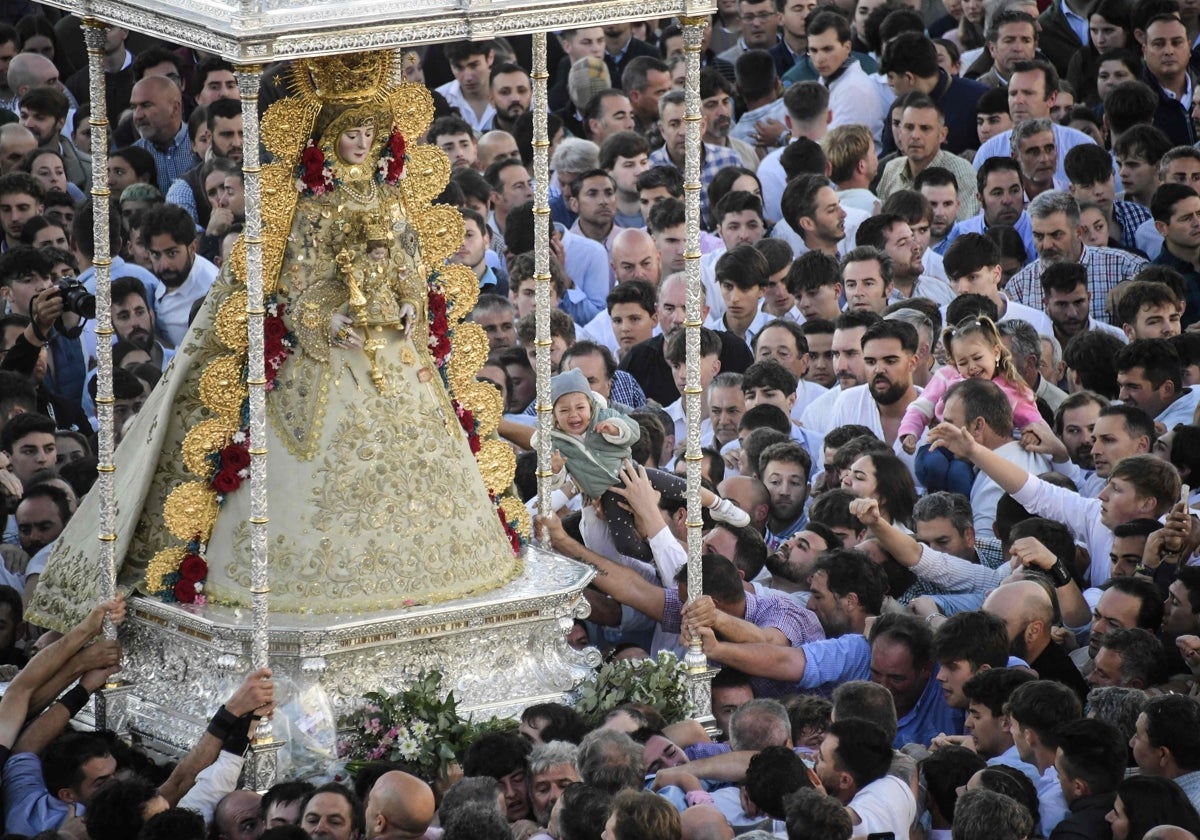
(77, 299)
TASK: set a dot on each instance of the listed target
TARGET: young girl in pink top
(976, 352)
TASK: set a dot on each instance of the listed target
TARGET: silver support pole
(94, 33)
(697, 664)
(262, 761)
(541, 269)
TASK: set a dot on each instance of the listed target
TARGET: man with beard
(811, 207)
(157, 105)
(849, 372)
(224, 120)
(552, 768)
(785, 469)
(1068, 302)
(510, 92)
(716, 101)
(133, 319)
(1027, 611)
(889, 357)
(1075, 424)
(1054, 216)
(170, 238)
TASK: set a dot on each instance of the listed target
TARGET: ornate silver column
(262, 761)
(693, 30)
(541, 268)
(111, 704)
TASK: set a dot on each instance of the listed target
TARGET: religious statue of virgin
(376, 428)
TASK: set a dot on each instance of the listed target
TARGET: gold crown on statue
(350, 79)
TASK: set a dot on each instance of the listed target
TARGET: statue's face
(354, 144)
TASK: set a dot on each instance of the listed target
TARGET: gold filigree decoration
(461, 287)
(497, 464)
(202, 440)
(223, 385)
(426, 173)
(191, 509)
(351, 79)
(470, 351)
(278, 204)
(441, 231)
(516, 514)
(286, 126)
(163, 563)
(231, 322)
(483, 400)
(412, 105)
(237, 259)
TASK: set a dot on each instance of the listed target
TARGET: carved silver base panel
(498, 652)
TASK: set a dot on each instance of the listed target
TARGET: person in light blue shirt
(902, 662)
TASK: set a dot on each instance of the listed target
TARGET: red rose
(437, 304)
(275, 329)
(185, 591)
(467, 419)
(235, 457)
(515, 539)
(312, 162)
(473, 440)
(396, 144)
(193, 568)
(226, 481)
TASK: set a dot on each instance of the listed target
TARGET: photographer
(48, 318)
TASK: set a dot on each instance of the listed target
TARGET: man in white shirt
(848, 369)
(1148, 373)
(853, 165)
(852, 764)
(889, 357)
(853, 97)
(806, 106)
(470, 93)
(973, 265)
(169, 235)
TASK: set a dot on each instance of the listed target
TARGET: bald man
(400, 807)
(635, 257)
(158, 118)
(1168, 832)
(750, 495)
(16, 141)
(705, 822)
(238, 816)
(494, 146)
(30, 70)
(1027, 611)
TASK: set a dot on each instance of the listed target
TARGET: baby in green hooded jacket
(595, 441)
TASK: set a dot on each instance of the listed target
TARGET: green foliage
(417, 725)
(661, 683)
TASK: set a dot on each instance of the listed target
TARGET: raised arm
(895, 542)
(256, 693)
(776, 662)
(613, 579)
(47, 665)
(703, 612)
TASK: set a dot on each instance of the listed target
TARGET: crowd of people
(950, 268)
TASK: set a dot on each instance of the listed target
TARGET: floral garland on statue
(439, 348)
(315, 175)
(230, 466)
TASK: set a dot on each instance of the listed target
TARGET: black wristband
(75, 699)
(239, 736)
(222, 723)
(1059, 574)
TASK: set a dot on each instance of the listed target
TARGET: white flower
(199, 586)
(239, 437)
(243, 473)
(421, 730)
(409, 748)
